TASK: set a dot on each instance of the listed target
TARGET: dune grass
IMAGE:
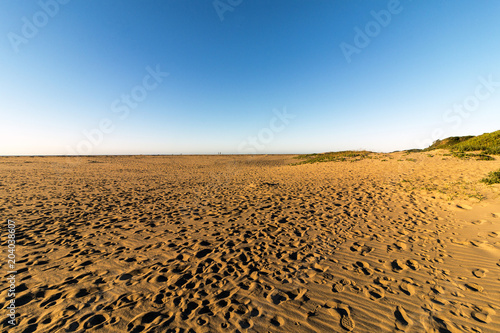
(492, 178)
(467, 156)
(464, 147)
(487, 143)
(338, 156)
(448, 143)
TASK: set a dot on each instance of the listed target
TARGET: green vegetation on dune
(463, 147)
(467, 156)
(448, 143)
(338, 156)
(492, 178)
(487, 143)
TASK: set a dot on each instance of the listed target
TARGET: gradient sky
(232, 67)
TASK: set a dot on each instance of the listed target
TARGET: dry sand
(252, 244)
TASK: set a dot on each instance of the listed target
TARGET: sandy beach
(399, 242)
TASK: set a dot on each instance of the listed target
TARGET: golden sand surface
(393, 243)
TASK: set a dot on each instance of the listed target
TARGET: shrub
(493, 178)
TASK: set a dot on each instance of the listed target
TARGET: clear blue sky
(420, 73)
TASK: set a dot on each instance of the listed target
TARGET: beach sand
(395, 242)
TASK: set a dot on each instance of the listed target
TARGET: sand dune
(392, 243)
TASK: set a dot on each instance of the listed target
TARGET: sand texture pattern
(393, 243)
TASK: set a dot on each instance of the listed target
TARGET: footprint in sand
(345, 321)
(96, 321)
(400, 245)
(277, 297)
(361, 248)
(403, 322)
(413, 264)
(50, 300)
(493, 234)
(297, 294)
(474, 286)
(384, 281)
(444, 324)
(398, 265)
(375, 292)
(365, 267)
(481, 316)
(479, 273)
(437, 289)
(202, 320)
(145, 320)
(278, 321)
(407, 288)
(338, 287)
